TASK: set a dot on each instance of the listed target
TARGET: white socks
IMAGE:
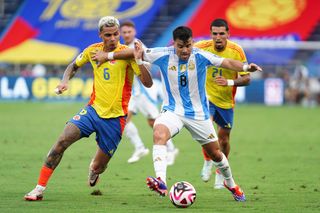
(40, 188)
(131, 132)
(225, 171)
(160, 161)
(170, 146)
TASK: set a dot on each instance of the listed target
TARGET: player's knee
(159, 137)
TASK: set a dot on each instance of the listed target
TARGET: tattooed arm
(68, 74)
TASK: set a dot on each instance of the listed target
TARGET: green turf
(275, 158)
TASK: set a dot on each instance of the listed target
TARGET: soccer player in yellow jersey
(106, 111)
(221, 88)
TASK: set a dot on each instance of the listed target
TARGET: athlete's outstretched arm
(239, 66)
(101, 56)
(68, 74)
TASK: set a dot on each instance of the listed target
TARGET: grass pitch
(275, 155)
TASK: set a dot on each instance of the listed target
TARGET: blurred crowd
(40, 70)
(301, 88)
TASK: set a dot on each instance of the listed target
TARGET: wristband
(245, 67)
(139, 61)
(110, 56)
(230, 82)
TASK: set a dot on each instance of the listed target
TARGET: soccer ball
(182, 194)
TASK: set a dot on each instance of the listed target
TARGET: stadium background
(281, 37)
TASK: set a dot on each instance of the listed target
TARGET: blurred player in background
(106, 111)
(221, 88)
(144, 100)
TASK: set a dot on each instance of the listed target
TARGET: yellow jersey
(222, 96)
(112, 82)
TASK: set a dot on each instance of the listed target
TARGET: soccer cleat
(35, 194)
(237, 193)
(219, 181)
(171, 156)
(157, 185)
(206, 170)
(93, 178)
(139, 153)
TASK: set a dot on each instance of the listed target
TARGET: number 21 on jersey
(216, 71)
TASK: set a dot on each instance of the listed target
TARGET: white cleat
(219, 181)
(35, 194)
(138, 154)
(171, 156)
(206, 170)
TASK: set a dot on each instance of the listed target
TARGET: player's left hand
(99, 56)
(253, 67)
(221, 81)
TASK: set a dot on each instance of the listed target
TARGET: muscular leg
(70, 134)
(220, 161)
(97, 166)
(224, 136)
(100, 162)
(171, 149)
(161, 135)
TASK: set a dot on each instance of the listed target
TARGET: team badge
(183, 67)
(191, 65)
(76, 117)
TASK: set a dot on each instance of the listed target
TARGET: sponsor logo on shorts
(211, 136)
(76, 117)
(157, 159)
(111, 151)
(83, 112)
(228, 126)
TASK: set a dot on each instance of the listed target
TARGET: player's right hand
(253, 67)
(61, 88)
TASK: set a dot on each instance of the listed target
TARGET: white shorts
(141, 103)
(201, 130)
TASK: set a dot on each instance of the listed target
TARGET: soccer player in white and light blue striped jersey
(183, 72)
